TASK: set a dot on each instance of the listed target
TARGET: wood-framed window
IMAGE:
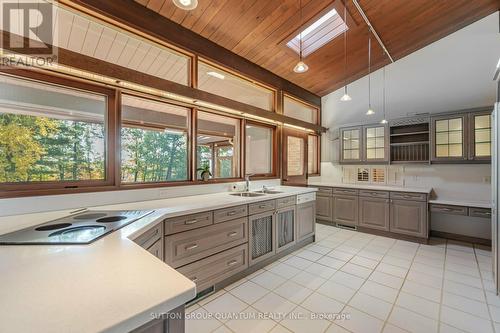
(261, 149)
(313, 155)
(299, 109)
(223, 82)
(154, 141)
(218, 145)
(55, 133)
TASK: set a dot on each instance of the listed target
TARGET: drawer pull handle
(194, 279)
(191, 222)
(231, 213)
(447, 209)
(232, 234)
(191, 247)
(407, 196)
(232, 262)
(262, 206)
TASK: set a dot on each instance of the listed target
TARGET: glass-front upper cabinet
(375, 144)
(480, 138)
(449, 134)
(350, 151)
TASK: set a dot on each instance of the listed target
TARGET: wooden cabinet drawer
(261, 207)
(409, 196)
(480, 212)
(324, 191)
(184, 248)
(148, 238)
(216, 268)
(448, 209)
(286, 202)
(345, 191)
(374, 194)
(187, 222)
(157, 249)
(231, 213)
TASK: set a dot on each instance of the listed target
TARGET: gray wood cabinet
(152, 241)
(345, 209)
(262, 236)
(286, 230)
(374, 213)
(463, 136)
(409, 217)
(364, 144)
(306, 222)
(324, 210)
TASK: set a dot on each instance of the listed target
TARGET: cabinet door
(409, 218)
(375, 144)
(285, 228)
(350, 145)
(324, 207)
(306, 224)
(345, 209)
(449, 138)
(374, 213)
(480, 136)
(262, 237)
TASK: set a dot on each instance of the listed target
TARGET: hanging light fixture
(370, 110)
(384, 120)
(186, 4)
(301, 66)
(345, 97)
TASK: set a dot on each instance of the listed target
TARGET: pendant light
(345, 97)
(301, 66)
(370, 110)
(186, 4)
(384, 120)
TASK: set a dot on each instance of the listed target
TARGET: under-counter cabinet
(152, 241)
(374, 210)
(285, 228)
(262, 236)
(324, 210)
(306, 222)
(408, 215)
(345, 207)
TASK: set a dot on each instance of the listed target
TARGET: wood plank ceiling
(257, 30)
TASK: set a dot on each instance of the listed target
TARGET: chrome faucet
(247, 182)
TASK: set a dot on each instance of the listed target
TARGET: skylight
(319, 33)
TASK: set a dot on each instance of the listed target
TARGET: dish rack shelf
(409, 142)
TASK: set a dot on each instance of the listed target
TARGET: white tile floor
(382, 284)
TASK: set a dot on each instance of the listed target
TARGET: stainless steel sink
(268, 192)
(247, 194)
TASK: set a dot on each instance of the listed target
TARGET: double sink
(255, 193)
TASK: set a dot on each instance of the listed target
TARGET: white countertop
(461, 202)
(373, 187)
(111, 285)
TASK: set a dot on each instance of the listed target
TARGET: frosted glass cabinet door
(448, 138)
(350, 150)
(480, 137)
(376, 143)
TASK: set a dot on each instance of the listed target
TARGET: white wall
(29, 205)
(453, 73)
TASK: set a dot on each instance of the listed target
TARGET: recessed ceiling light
(217, 75)
(186, 4)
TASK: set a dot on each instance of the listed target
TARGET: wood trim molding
(138, 17)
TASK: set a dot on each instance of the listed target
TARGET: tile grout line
(441, 296)
(492, 322)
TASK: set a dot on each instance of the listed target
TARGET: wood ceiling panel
(257, 30)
